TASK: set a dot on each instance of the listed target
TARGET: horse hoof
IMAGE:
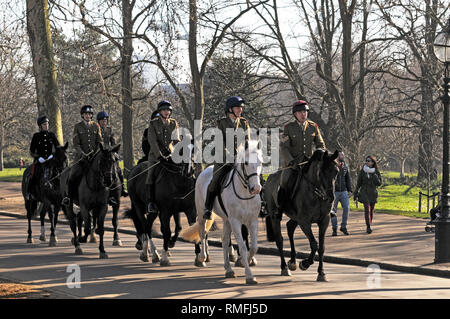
(322, 278)
(292, 265)
(232, 258)
(117, 242)
(143, 257)
(93, 239)
(52, 242)
(253, 262)
(30, 240)
(230, 274)
(165, 263)
(42, 238)
(138, 246)
(103, 255)
(239, 263)
(303, 266)
(78, 251)
(251, 281)
(285, 272)
(156, 258)
(199, 264)
(207, 259)
(171, 244)
(201, 259)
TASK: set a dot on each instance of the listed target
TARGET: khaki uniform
(86, 138)
(160, 140)
(108, 136)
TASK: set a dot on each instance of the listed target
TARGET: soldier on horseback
(296, 145)
(42, 148)
(233, 110)
(163, 134)
(86, 140)
(145, 144)
(109, 140)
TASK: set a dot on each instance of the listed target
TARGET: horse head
(321, 170)
(60, 157)
(104, 163)
(249, 162)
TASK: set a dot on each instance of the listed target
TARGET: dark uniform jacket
(366, 187)
(160, 137)
(108, 136)
(86, 138)
(145, 144)
(343, 182)
(227, 122)
(297, 141)
(43, 144)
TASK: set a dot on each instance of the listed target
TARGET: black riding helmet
(102, 115)
(42, 119)
(232, 102)
(164, 105)
(87, 109)
(300, 105)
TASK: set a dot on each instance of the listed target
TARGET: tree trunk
(44, 67)
(127, 87)
(2, 143)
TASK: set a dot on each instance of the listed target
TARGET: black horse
(46, 190)
(174, 193)
(93, 194)
(311, 200)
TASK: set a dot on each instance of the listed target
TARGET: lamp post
(442, 223)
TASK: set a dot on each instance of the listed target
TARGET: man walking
(342, 189)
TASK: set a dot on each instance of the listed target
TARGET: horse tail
(269, 230)
(192, 233)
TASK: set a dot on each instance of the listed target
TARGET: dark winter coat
(366, 187)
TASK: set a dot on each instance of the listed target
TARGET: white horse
(242, 205)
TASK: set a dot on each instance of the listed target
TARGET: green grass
(11, 175)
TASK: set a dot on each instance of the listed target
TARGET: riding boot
(209, 202)
(150, 192)
(124, 193)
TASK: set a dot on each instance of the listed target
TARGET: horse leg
(30, 212)
(276, 227)
(73, 221)
(173, 239)
(226, 237)
(291, 225)
(305, 263)
(44, 209)
(164, 218)
(99, 215)
(115, 223)
(94, 228)
(253, 248)
(51, 216)
(236, 227)
(231, 253)
(144, 254)
(148, 228)
(203, 241)
(322, 230)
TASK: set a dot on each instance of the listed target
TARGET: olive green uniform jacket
(86, 138)
(297, 141)
(366, 186)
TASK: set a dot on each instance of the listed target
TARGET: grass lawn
(11, 175)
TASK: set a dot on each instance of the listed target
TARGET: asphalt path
(123, 275)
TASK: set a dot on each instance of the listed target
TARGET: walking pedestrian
(369, 178)
(342, 192)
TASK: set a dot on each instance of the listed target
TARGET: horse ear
(335, 155)
(66, 145)
(115, 148)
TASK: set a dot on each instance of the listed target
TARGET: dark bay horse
(174, 185)
(47, 190)
(93, 194)
(311, 200)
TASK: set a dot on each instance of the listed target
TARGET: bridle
(244, 178)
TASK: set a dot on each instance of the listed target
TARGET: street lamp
(442, 223)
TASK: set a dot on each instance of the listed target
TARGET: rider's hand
(41, 160)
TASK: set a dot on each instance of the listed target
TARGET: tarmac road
(123, 275)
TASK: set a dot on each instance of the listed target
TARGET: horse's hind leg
(291, 225)
(164, 218)
(322, 230)
(173, 239)
(94, 228)
(276, 227)
(115, 223)
(305, 263)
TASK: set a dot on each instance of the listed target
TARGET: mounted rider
(163, 134)
(109, 140)
(145, 144)
(296, 145)
(233, 120)
(86, 140)
(42, 148)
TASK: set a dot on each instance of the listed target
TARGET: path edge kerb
(274, 252)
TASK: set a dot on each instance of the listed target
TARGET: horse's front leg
(94, 227)
(226, 238)
(44, 209)
(313, 245)
(322, 230)
(291, 225)
(164, 218)
(51, 215)
(173, 239)
(115, 223)
(99, 215)
(253, 227)
(236, 227)
(73, 221)
(30, 206)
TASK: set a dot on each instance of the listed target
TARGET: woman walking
(369, 178)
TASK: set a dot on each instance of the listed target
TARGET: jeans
(341, 197)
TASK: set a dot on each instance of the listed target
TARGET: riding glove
(41, 160)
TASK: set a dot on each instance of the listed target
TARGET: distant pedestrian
(369, 178)
(20, 164)
(342, 192)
